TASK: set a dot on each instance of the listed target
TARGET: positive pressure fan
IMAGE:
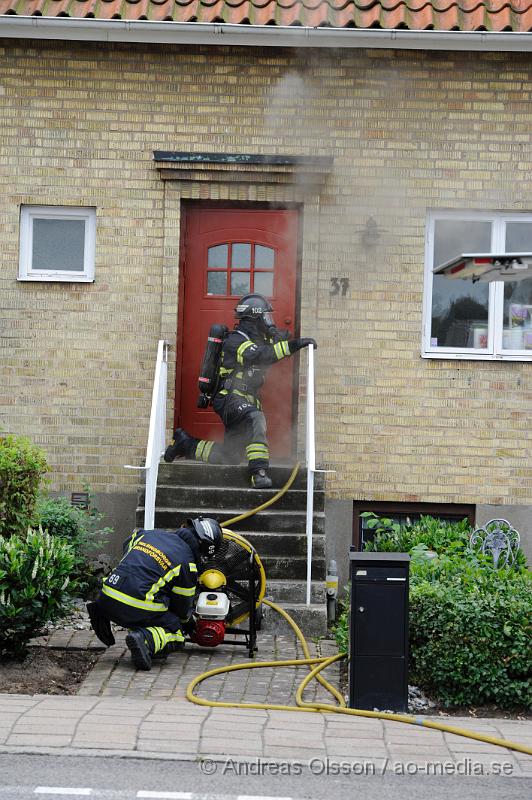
(237, 570)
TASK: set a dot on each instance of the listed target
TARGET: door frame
(185, 207)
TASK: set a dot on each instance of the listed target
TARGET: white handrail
(156, 434)
(311, 464)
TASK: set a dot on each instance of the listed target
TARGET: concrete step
(269, 520)
(311, 619)
(195, 473)
(245, 499)
(188, 488)
(296, 568)
(285, 544)
(294, 591)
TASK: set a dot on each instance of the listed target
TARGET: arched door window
(238, 268)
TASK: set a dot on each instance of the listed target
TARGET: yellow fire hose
(269, 502)
(322, 663)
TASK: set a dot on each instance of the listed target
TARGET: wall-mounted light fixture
(371, 233)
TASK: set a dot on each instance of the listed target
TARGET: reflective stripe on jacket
(157, 572)
(244, 363)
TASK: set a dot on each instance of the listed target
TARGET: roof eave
(144, 31)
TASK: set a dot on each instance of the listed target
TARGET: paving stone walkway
(121, 711)
(114, 676)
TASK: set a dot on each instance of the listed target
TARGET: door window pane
(217, 283)
(217, 256)
(264, 257)
(240, 283)
(459, 308)
(58, 244)
(264, 283)
(241, 256)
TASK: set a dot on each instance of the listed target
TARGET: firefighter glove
(189, 626)
(278, 334)
(298, 344)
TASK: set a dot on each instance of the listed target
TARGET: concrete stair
(189, 488)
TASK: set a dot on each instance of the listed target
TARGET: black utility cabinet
(378, 669)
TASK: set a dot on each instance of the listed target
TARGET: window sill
(478, 356)
(55, 278)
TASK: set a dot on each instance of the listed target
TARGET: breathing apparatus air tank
(209, 373)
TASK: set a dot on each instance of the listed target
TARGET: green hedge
(35, 587)
(471, 633)
(470, 624)
(22, 467)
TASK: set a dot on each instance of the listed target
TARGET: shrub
(470, 623)
(35, 587)
(341, 627)
(436, 534)
(22, 466)
(470, 632)
(60, 518)
(80, 527)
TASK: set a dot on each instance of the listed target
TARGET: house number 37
(339, 286)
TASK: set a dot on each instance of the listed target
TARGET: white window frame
(494, 351)
(27, 215)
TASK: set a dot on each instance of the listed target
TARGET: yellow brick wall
(409, 131)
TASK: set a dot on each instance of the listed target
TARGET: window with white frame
(57, 243)
(476, 320)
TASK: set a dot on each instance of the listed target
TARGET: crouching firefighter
(246, 353)
(151, 591)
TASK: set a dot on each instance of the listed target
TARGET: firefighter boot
(141, 654)
(181, 446)
(261, 480)
(171, 647)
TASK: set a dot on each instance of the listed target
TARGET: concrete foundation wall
(518, 516)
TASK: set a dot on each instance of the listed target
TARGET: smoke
(288, 101)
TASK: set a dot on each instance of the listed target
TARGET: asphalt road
(48, 777)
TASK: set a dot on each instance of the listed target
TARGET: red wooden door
(228, 253)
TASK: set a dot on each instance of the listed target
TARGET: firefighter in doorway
(151, 591)
(248, 350)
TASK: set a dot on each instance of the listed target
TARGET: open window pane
(486, 319)
(459, 308)
(58, 244)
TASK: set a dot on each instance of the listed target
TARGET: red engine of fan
(209, 632)
(211, 611)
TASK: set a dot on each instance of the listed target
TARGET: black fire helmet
(255, 306)
(209, 534)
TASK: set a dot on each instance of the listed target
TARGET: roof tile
(444, 15)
